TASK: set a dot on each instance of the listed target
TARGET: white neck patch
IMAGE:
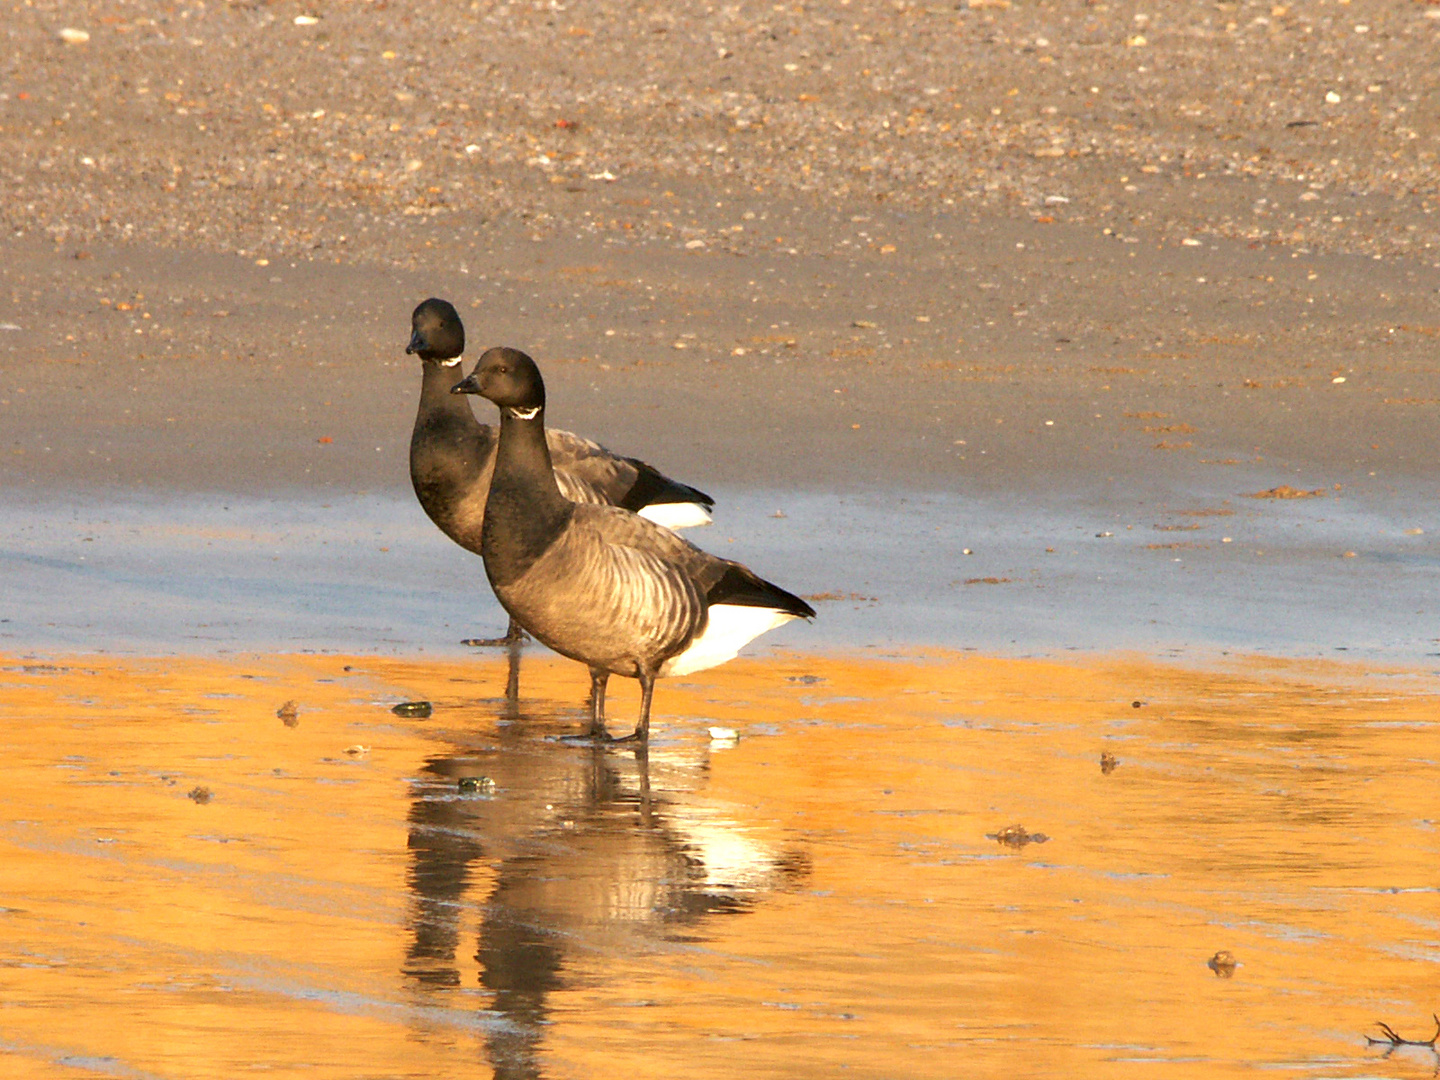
(451, 362)
(525, 414)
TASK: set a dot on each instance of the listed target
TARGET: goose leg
(598, 678)
(512, 677)
(514, 637)
(647, 691)
(641, 734)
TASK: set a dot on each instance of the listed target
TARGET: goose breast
(609, 603)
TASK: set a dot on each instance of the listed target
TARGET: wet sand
(202, 573)
(822, 891)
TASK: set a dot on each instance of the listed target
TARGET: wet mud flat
(1192, 576)
(202, 882)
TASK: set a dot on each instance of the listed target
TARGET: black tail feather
(741, 586)
(652, 487)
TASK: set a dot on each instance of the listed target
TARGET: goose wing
(719, 581)
(736, 604)
(589, 473)
(586, 471)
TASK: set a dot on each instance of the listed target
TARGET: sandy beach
(1079, 361)
(731, 236)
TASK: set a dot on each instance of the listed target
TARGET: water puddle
(1237, 871)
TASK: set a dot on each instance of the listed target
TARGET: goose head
(436, 332)
(507, 377)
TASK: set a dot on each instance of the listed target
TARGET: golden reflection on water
(819, 899)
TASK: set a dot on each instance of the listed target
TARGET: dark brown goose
(601, 584)
(452, 454)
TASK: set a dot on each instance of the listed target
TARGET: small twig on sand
(1392, 1037)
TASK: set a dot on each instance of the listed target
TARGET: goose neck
(523, 457)
(435, 385)
(524, 512)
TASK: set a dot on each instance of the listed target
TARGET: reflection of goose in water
(570, 855)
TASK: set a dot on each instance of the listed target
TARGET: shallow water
(1178, 574)
(819, 898)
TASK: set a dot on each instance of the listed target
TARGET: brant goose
(452, 454)
(598, 583)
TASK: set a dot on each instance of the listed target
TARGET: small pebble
(1223, 963)
(724, 735)
(71, 36)
(289, 714)
(415, 710)
(199, 794)
(1108, 761)
(1017, 836)
(472, 785)
(357, 750)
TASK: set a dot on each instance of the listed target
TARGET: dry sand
(1148, 225)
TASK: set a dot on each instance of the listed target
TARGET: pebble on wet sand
(1285, 491)
(415, 710)
(1223, 964)
(1017, 836)
(289, 714)
(199, 794)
